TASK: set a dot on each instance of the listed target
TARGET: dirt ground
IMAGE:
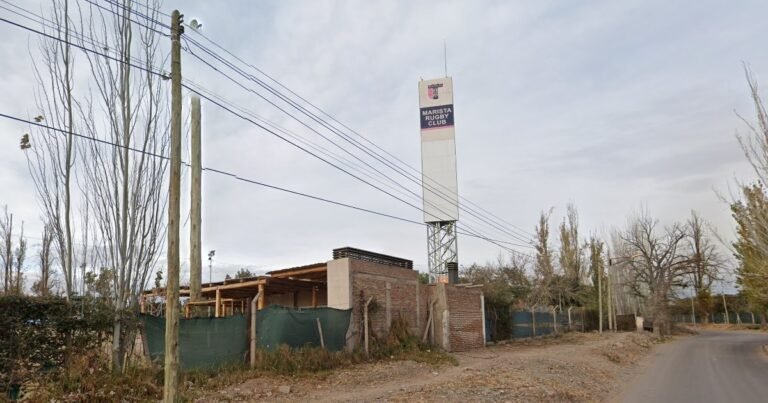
(572, 367)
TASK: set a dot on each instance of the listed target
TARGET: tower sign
(438, 167)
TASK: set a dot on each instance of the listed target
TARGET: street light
(211, 254)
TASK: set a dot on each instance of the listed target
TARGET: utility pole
(600, 297)
(610, 310)
(171, 381)
(195, 232)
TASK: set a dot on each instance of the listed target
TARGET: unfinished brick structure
(397, 293)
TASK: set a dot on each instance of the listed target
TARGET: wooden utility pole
(600, 297)
(610, 301)
(195, 232)
(171, 384)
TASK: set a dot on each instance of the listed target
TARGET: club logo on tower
(432, 90)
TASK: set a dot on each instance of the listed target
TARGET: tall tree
(597, 271)
(571, 258)
(544, 269)
(126, 190)
(656, 260)
(750, 214)
(20, 255)
(44, 284)
(6, 249)
(706, 263)
(51, 157)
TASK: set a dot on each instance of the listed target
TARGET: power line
(336, 121)
(245, 118)
(323, 122)
(239, 178)
(331, 141)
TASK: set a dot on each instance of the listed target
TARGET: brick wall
(465, 318)
(396, 294)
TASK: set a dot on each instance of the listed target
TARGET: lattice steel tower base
(442, 249)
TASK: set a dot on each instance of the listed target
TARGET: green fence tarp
(204, 343)
(276, 325)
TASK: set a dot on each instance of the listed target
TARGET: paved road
(710, 367)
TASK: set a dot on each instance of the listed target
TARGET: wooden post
(314, 297)
(261, 296)
(554, 318)
(432, 323)
(195, 217)
(725, 306)
(320, 330)
(218, 302)
(365, 324)
(171, 374)
(254, 308)
(599, 299)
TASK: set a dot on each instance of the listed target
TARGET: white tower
(438, 169)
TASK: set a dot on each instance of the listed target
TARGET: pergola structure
(230, 296)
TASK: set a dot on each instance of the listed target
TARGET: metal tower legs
(442, 248)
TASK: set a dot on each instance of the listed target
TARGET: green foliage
(242, 273)
(40, 334)
(750, 246)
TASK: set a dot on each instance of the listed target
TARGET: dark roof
(374, 257)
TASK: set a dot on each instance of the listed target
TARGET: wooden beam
(300, 272)
(218, 303)
(262, 296)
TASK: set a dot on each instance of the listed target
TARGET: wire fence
(733, 318)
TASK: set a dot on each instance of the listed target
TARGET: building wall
(466, 318)
(458, 315)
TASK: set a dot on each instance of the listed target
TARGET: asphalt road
(714, 366)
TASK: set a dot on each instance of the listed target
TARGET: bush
(38, 335)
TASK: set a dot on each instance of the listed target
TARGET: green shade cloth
(204, 343)
(276, 325)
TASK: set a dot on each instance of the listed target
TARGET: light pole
(211, 254)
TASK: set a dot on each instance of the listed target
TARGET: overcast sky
(609, 105)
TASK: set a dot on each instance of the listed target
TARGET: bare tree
(544, 269)
(20, 255)
(656, 263)
(126, 190)
(51, 157)
(6, 251)
(43, 285)
(706, 263)
(570, 287)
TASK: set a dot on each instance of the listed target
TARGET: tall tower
(439, 184)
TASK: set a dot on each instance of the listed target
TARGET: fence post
(554, 319)
(753, 317)
(254, 308)
(365, 324)
(533, 322)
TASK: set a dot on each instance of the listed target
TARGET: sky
(611, 106)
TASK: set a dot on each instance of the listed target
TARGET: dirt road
(714, 366)
(574, 367)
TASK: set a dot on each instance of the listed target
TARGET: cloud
(605, 104)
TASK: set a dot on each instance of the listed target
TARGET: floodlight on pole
(211, 254)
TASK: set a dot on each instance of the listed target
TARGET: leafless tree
(571, 259)
(51, 157)
(544, 269)
(20, 255)
(656, 261)
(706, 263)
(126, 190)
(6, 251)
(42, 286)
